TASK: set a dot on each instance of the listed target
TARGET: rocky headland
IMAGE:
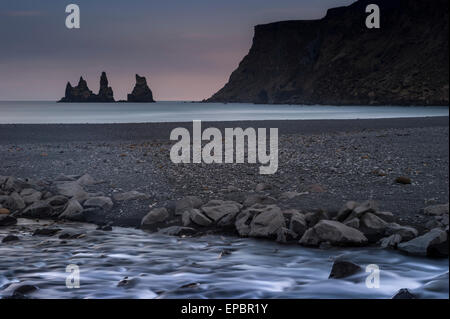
(338, 61)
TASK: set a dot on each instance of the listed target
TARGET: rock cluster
(82, 93)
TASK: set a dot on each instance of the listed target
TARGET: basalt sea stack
(81, 92)
(337, 60)
(141, 91)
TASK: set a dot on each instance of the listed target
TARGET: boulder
(199, 218)
(29, 196)
(187, 203)
(218, 209)
(86, 180)
(243, 221)
(386, 216)
(267, 223)
(372, 226)
(334, 232)
(291, 195)
(262, 187)
(10, 238)
(132, 195)
(369, 206)
(345, 211)
(391, 241)
(406, 232)
(259, 199)
(103, 202)
(342, 269)
(425, 245)
(314, 217)
(73, 211)
(436, 210)
(72, 190)
(353, 223)
(298, 224)
(7, 220)
(284, 234)
(156, 215)
(40, 210)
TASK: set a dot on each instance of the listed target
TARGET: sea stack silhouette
(141, 92)
(81, 92)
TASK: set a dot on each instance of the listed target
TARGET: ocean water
(42, 112)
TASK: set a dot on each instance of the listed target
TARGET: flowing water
(16, 112)
(159, 266)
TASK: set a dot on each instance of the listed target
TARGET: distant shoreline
(48, 133)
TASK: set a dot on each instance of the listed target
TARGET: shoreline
(43, 133)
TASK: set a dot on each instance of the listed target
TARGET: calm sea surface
(15, 112)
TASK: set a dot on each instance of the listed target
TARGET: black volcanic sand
(344, 158)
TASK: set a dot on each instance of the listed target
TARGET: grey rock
(198, 218)
(314, 217)
(390, 241)
(423, 245)
(72, 190)
(30, 196)
(406, 232)
(334, 232)
(386, 216)
(243, 221)
(259, 199)
(102, 201)
(284, 234)
(291, 195)
(262, 187)
(369, 206)
(10, 238)
(436, 210)
(20, 203)
(342, 269)
(353, 223)
(404, 294)
(267, 222)
(156, 215)
(85, 180)
(218, 209)
(298, 224)
(372, 225)
(39, 209)
(345, 211)
(186, 218)
(73, 211)
(7, 220)
(187, 203)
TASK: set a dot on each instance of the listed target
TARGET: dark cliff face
(81, 92)
(338, 61)
(141, 91)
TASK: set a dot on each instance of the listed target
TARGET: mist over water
(15, 112)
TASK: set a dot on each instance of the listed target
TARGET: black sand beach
(332, 160)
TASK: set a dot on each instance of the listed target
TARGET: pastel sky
(187, 49)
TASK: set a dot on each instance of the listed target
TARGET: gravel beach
(328, 161)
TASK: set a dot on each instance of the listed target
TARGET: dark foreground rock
(342, 269)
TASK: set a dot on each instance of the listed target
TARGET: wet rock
(71, 235)
(259, 199)
(102, 202)
(314, 217)
(187, 203)
(40, 210)
(353, 223)
(284, 235)
(132, 195)
(127, 282)
(345, 211)
(334, 232)
(29, 196)
(342, 269)
(104, 227)
(423, 245)
(267, 222)
(404, 294)
(46, 231)
(72, 190)
(198, 218)
(20, 289)
(141, 91)
(243, 221)
(177, 231)
(391, 241)
(298, 224)
(73, 211)
(20, 203)
(436, 210)
(403, 180)
(7, 220)
(218, 209)
(406, 232)
(10, 238)
(156, 215)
